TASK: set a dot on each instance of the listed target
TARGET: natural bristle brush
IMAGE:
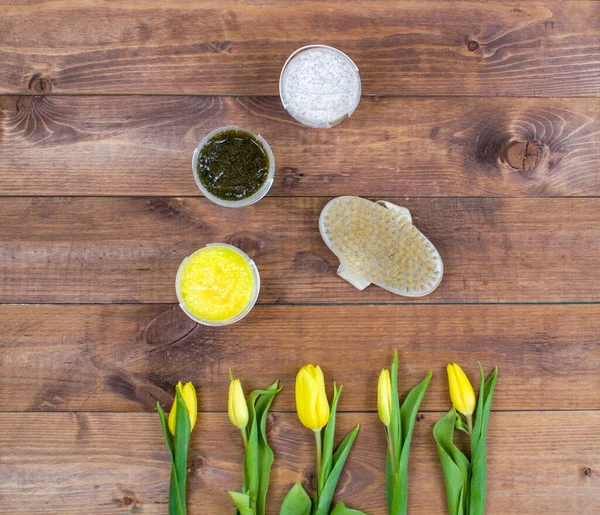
(377, 243)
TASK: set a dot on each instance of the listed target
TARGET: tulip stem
(319, 442)
(244, 437)
(390, 443)
(470, 424)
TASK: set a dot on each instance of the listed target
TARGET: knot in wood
(199, 462)
(251, 244)
(129, 502)
(272, 421)
(587, 472)
(39, 84)
(524, 155)
(310, 482)
(472, 46)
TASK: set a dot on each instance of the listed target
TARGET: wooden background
(482, 117)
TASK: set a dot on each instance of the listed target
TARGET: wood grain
(125, 358)
(117, 463)
(112, 99)
(77, 250)
(490, 48)
(390, 146)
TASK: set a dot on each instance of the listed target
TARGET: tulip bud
(311, 399)
(188, 392)
(236, 405)
(384, 397)
(461, 391)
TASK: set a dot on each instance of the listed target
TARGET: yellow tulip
(236, 405)
(461, 391)
(311, 399)
(188, 392)
(384, 397)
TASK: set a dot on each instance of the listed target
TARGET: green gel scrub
(233, 165)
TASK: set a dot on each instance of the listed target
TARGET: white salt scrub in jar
(319, 86)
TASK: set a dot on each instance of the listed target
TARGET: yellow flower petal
(322, 406)
(311, 399)
(173, 412)
(384, 397)
(461, 391)
(237, 408)
(188, 392)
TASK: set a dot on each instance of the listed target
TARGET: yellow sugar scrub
(217, 285)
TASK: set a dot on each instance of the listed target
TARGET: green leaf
(394, 433)
(395, 417)
(342, 509)
(175, 507)
(339, 459)
(242, 503)
(165, 427)
(460, 425)
(410, 408)
(455, 464)
(252, 458)
(296, 502)
(181, 443)
(259, 456)
(265, 454)
(389, 476)
(478, 416)
(408, 416)
(328, 438)
(478, 483)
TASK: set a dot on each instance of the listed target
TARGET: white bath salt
(320, 86)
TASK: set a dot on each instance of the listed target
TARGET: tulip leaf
(242, 503)
(259, 456)
(252, 461)
(393, 434)
(342, 509)
(265, 454)
(328, 439)
(165, 427)
(455, 464)
(296, 502)
(175, 507)
(339, 459)
(461, 426)
(181, 443)
(408, 416)
(395, 418)
(477, 487)
(390, 477)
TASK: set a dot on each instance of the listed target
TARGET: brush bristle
(382, 246)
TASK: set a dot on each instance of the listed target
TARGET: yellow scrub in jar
(217, 284)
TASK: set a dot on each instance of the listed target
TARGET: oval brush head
(377, 243)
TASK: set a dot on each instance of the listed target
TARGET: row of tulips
(465, 477)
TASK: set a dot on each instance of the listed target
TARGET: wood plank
(390, 146)
(77, 250)
(483, 47)
(125, 358)
(113, 463)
